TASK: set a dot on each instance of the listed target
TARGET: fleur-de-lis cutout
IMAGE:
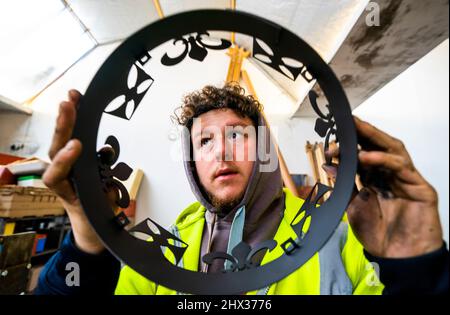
(241, 255)
(106, 158)
(138, 83)
(289, 67)
(307, 208)
(325, 124)
(195, 47)
(161, 237)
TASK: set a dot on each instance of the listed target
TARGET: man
(399, 230)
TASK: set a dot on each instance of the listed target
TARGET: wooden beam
(320, 159)
(237, 66)
(309, 148)
(233, 38)
(248, 83)
(233, 7)
(232, 52)
(158, 8)
(241, 55)
(233, 4)
(287, 179)
(237, 56)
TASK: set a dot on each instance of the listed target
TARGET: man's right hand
(63, 153)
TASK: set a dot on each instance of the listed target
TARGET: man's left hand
(402, 221)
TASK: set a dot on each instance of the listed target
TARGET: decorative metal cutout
(325, 124)
(308, 207)
(138, 83)
(161, 239)
(324, 127)
(195, 47)
(121, 171)
(241, 255)
(91, 173)
(272, 57)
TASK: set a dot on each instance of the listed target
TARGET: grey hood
(263, 201)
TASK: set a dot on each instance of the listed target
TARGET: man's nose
(223, 150)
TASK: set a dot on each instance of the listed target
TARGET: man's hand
(63, 154)
(396, 214)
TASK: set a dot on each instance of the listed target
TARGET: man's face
(224, 151)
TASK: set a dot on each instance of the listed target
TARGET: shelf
(9, 105)
(55, 228)
(27, 218)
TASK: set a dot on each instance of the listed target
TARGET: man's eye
(205, 141)
(235, 135)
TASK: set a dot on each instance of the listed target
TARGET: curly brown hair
(231, 96)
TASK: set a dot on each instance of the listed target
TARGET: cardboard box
(16, 202)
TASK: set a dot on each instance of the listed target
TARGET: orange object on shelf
(6, 158)
(6, 177)
(130, 211)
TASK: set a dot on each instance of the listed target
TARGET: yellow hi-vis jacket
(340, 267)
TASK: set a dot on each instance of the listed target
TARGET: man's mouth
(225, 174)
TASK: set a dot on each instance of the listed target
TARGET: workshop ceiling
(323, 24)
(335, 29)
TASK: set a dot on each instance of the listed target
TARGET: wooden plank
(233, 7)
(232, 52)
(133, 183)
(158, 8)
(320, 160)
(248, 83)
(21, 213)
(309, 148)
(17, 201)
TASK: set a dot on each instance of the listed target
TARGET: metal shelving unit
(55, 227)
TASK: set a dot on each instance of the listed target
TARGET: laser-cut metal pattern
(125, 65)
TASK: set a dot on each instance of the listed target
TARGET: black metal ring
(87, 181)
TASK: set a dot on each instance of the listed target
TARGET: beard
(224, 206)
